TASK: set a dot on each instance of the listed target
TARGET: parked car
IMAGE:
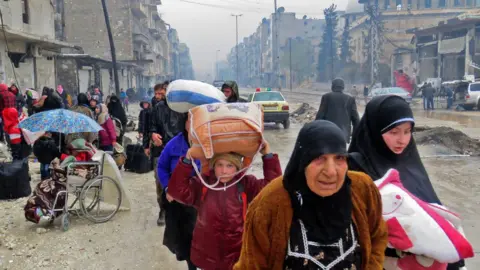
(275, 107)
(397, 91)
(218, 84)
(472, 98)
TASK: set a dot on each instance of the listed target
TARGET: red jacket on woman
(108, 135)
(10, 125)
(217, 238)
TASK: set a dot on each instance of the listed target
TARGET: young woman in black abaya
(383, 140)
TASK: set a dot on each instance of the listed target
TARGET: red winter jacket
(10, 125)
(107, 136)
(217, 238)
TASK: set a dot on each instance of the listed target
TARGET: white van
(472, 98)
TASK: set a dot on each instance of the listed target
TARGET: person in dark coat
(18, 97)
(230, 90)
(115, 109)
(428, 95)
(339, 108)
(144, 118)
(50, 100)
(164, 125)
(46, 150)
(179, 219)
(30, 101)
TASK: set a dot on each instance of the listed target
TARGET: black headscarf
(375, 158)
(116, 110)
(326, 218)
(82, 99)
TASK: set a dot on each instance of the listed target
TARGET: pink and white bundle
(420, 228)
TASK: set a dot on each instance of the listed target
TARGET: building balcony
(139, 9)
(154, 32)
(141, 33)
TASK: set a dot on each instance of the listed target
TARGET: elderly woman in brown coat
(319, 215)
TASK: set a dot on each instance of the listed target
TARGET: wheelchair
(87, 184)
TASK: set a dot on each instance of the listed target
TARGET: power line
(222, 7)
(258, 10)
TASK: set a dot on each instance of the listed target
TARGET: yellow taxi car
(275, 107)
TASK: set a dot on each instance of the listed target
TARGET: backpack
(242, 197)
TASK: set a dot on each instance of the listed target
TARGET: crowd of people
(16, 105)
(323, 212)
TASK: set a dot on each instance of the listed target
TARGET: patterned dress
(345, 254)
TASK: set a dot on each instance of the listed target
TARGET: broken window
(25, 12)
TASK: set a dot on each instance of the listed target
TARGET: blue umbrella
(60, 120)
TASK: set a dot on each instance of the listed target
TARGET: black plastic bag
(137, 161)
(14, 180)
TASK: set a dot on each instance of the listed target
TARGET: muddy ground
(132, 240)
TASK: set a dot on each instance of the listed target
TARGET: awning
(454, 45)
(427, 44)
(42, 41)
(86, 57)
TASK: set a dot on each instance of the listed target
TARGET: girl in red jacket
(107, 137)
(10, 119)
(217, 237)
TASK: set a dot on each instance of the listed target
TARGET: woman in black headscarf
(320, 214)
(383, 140)
(50, 100)
(115, 109)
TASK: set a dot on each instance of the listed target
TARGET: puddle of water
(465, 119)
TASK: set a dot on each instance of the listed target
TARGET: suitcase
(137, 161)
(14, 180)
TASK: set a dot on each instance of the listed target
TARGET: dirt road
(132, 240)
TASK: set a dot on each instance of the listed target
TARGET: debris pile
(305, 113)
(450, 138)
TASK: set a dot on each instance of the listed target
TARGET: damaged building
(27, 43)
(146, 47)
(397, 17)
(141, 44)
(449, 49)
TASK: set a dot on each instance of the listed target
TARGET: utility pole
(290, 45)
(275, 46)
(236, 47)
(374, 46)
(112, 48)
(216, 65)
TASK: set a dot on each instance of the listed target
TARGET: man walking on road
(339, 108)
(230, 90)
(428, 95)
(164, 125)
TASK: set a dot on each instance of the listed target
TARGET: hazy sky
(209, 26)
